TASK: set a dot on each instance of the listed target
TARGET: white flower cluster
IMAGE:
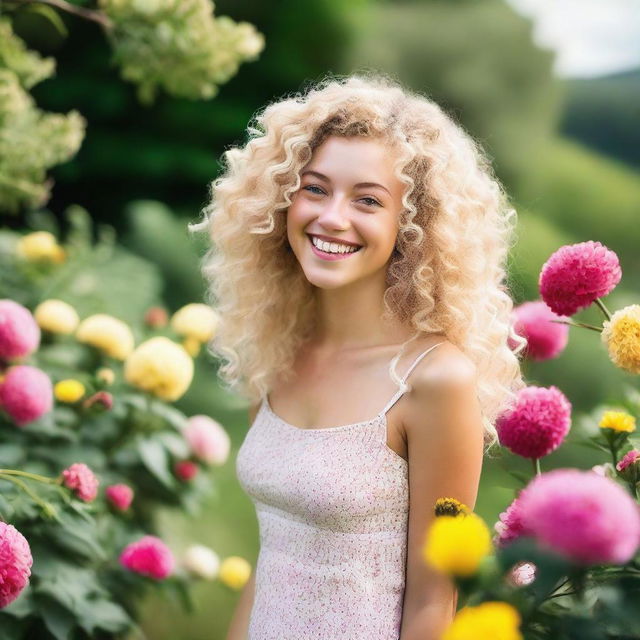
(31, 141)
(177, 45)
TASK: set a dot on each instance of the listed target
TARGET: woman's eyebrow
(321, 176)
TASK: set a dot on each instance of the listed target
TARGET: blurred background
(550, 88)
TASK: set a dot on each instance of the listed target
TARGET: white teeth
(333, 247)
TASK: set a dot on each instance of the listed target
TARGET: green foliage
(177, 45)
(31, 141)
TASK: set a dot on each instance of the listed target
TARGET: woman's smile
(324, 255)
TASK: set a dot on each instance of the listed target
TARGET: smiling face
(350, 195)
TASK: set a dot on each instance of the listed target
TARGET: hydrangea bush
(564, 559)
(90, 448)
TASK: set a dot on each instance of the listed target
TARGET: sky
(590, 37)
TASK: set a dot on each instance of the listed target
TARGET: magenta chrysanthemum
(209, 442)
(19, 332)
(26, 393)
(15, 563)
(537, 424)
(628, 459)
(509, 526)
(119, 495)
(82, 480)
(583, 516)
(575, 275)
(545, 339)
(148, 556)
(185, 469)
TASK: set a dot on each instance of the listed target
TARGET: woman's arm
(239, 627)
(445, 442)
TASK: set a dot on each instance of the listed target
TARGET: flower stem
(604, 309)
(536, 466)
(26, 474)
(81, 12)
(44, 505)
(575, 323)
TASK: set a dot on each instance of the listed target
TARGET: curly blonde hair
(448, 268)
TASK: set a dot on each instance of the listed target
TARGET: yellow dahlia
(457, 544)
(69, 390)
(112, 336)
(621, 335)
(198, 321)
(40, 246)
(161, 367)
(234, 572)
(488, 621)
(56, 316)
(618, 421)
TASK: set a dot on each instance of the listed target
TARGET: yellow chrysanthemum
(112, 336)
(192, 346)
(56, 316)
(234, 572)
(106, 375)
(488, 621)
(69, 390)
(196, 320)
(621, 335)
(40, 246)
(161, 367)
(457, 544)
(618, 421)
(450, 507)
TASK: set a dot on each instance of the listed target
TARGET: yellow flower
(112, 336)
(69, 390)
(106, 375)
(618, 421)
(621, 335)
(40, 246)
(161, 367)
(192, 346)
(488, 621)
(234, 572)
(196, 320)
(457, 544)
(450, 507)
(56, 316)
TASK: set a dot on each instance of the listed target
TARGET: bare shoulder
(445, 366)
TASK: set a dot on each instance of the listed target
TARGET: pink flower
(185, 469)
(628, 459)
(545, 339)
(575, 275)
(537, 424)
(522, 574)
(119, 495)
(209, 442)
(583, 516)
(510, 526)
(148, 556)
(19, 332)
(80, 478)
(15, 563)
(26, 393)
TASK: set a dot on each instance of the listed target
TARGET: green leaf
(105, 615)
(22, 606)
(174, 417)
(51, 15)
(155, 458)
(58, 619)
(78, 535)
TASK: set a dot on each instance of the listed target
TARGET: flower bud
(201, 562)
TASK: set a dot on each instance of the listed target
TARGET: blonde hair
(447, 270)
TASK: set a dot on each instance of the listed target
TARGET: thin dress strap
(404, 386)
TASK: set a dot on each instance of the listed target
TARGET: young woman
(358, 233)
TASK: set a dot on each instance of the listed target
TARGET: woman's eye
(370, 202)
(313, 186)
(373, 202)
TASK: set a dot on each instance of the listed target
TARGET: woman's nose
(335, 213)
